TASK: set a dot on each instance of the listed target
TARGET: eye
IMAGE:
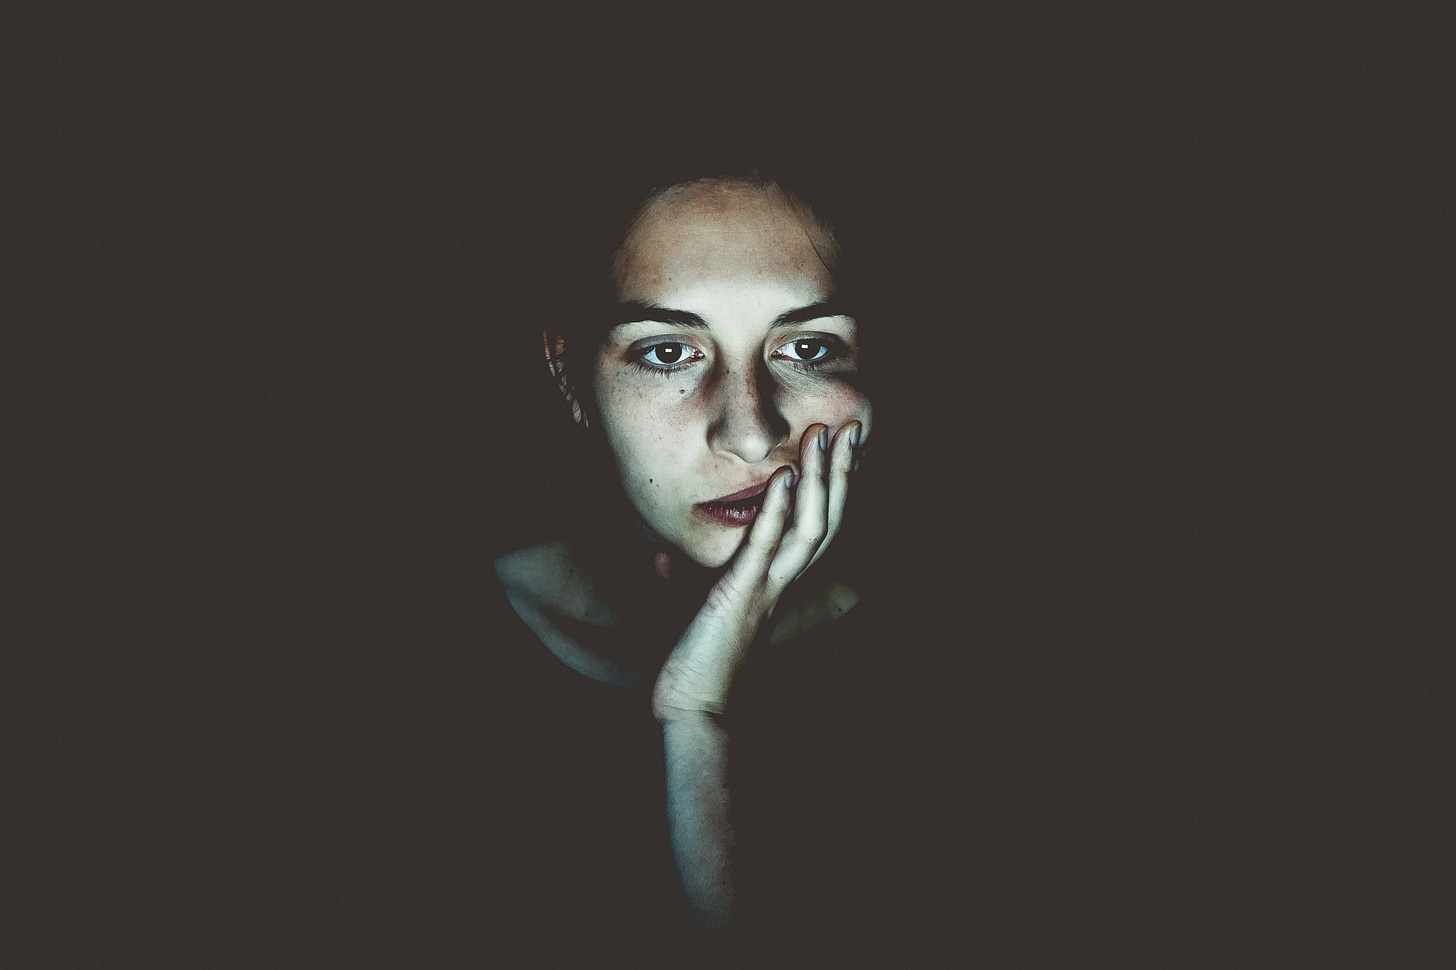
(807, 350)
(665, 357)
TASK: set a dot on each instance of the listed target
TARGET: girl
(722, 383)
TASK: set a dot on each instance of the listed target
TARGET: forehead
(723, 233)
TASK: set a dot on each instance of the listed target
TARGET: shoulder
(554, 596)
(534, 570)
(551, 575)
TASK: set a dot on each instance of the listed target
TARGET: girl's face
(728, 350)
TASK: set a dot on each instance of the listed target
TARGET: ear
(555, 347)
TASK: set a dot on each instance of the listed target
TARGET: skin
(694, 414)
(739, 400)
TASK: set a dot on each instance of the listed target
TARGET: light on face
(728, 345)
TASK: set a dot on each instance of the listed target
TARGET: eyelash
(833, 352)
(639, 353)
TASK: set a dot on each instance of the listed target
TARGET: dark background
(280, 270)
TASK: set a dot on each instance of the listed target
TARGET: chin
(713, 562)
(714, 553)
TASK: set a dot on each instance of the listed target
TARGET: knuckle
(807, 544)
(781, 575)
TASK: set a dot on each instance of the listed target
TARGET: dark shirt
(447, 792)
(818, 812)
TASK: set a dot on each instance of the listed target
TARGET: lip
(735, 510)
(741, 494)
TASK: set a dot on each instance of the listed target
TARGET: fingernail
(823, 438)
(788, 480)
(854, 435)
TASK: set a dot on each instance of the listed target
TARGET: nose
(745, 422)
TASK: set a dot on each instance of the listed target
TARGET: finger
(767, 531)
(811, 502)
(841, 464)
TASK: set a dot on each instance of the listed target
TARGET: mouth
(738, 509)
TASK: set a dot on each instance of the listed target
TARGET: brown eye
(668, 356)
(810, 349)
(806, 350)
(664, 355)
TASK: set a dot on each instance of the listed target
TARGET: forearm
(696, 750)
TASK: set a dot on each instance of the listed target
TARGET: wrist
(687, 719)
(698, 675)
(676, 697)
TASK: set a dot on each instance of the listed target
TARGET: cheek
(648, 439)
(834, 407)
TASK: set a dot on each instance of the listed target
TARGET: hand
(798, 520)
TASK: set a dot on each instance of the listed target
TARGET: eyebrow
(632, 311)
